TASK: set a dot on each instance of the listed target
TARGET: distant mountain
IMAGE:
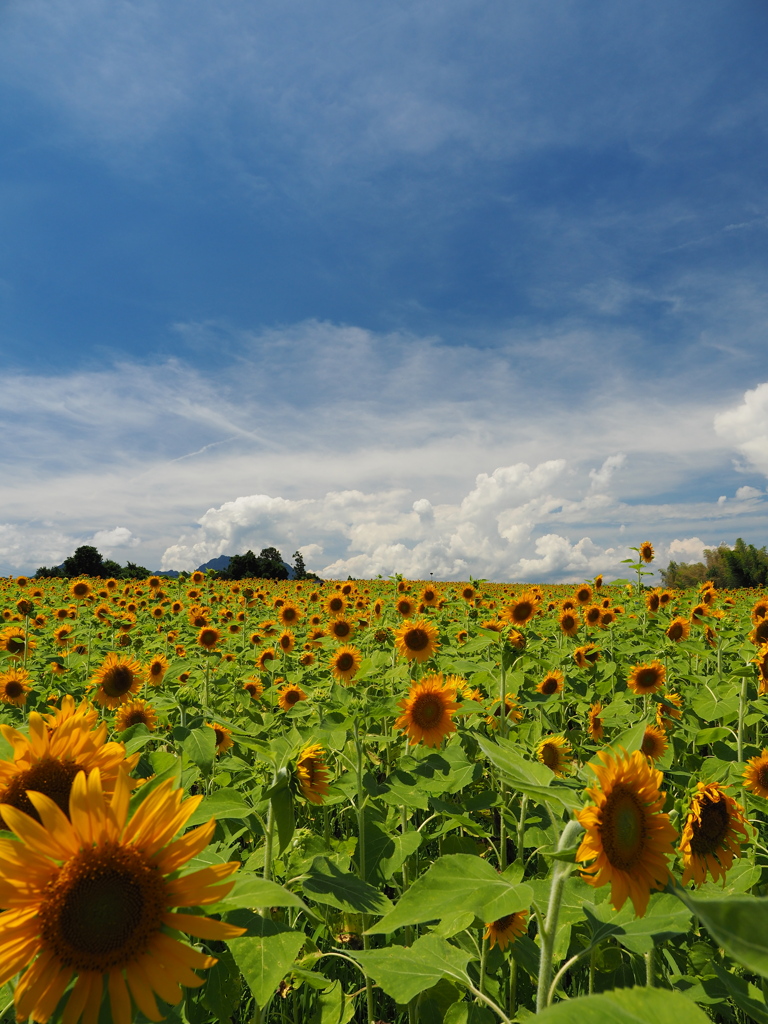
(220, 563)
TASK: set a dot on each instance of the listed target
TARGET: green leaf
(737, 923)
(253, 892)
(282, 811)
(528, 777)
(458, 882)
(403, 971)
(706, 736)
(135, 737)
(327, 883)
(224, 803)
(625, 1006)
(200, 748)
(406, 844)
(333, 1007)
(221, 993)
(266, 957)
(747, 997)
(664, 919)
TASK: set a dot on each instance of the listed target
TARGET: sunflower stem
(361, 862)
(650, 969)
(521, 830)
(268, 840)
(560, 874)
(742, 709)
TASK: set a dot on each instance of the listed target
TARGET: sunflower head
(646, 552)
(628, 837)
(678, 629)
(116, 680)
(714, 832)
(223, 737)
(756, 775)
(555, 753)
(156, 669)
(312, 773)
(416, 641)
(521, 611)
(428, 711)
(208, 637)
(341, 629)
(14, 686)
(646, 678)
(135, 712)
(654, 742)
(506, 930)
(345, 663)
(586, 656)
(569, 622)
(551, 683)
(595, 727)
(288, 696)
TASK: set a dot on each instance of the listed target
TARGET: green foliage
(267, 565)
(743, 565)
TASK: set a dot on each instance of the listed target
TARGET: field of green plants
(382, 801)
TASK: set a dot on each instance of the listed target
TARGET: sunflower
(468, 593)
(59, 745)
(335, 604)
(595, 727)
(416, 641)
(197, 578)
(555, 753)
(223, 737)
(429, 597)
(646, 678)
(265, 657)
(521, 611)
(156, 669)
(115, 680)
(341, 629)
(654, 742)
(428, 711)
(592, 614)
(92, 899)
(506, 930)
(286, 641)
(669, 711)
(583, 594)
(313, 773)
(756, 774)
(551, 683)
(714, 832)
(405, 607)
(759, 611)
(208, 637)
(80, 589)
(135, 712)
(289, 695)
(513, 711)
(307, 658)
(14, 686)
(653, 601)
(568, 622)
(629, 838)
(586, 656)
(254, 687)
(678, 629)
(15, 642)
(646, 551)
(345, 663)
(289, 614)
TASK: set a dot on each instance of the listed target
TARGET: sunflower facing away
(713, 834)
(628, 836)
(93, 898)
(428, 711)
(416, 641)
(313, 773)
(116, 680)
(506, 930)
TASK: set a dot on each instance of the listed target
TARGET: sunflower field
(382, 801)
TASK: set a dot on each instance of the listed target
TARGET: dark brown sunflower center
(522, 611)
(675, 631)
(504, 922)
(49, 776)
(136, 717)
(208, 637)
(653, 603)
(549, 685)
(647, 679)
(336, 604)
(156, 669)
(286, 642)
(593, 616)
(426, 710)
(761, 775)
(416, 639)
(709, 833)
(289, 615)
(15, 645)
(103, 909)
(550, 755)
(623, 828)
(117, 681)
(341, 629)
(652, 745)
(292, 696)
(13, 689)
(568, 621)
(345, 662)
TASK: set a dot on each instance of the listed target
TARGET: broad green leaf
(327, 883)
(282, 810)
(747, 997)
(200, 748)
(221, 992)
(136, 737)
(706, 736)
(528, 777)
(265, 958)
(224, 803)
(404, 971)
(625, 1006)
(333, 1006)
(456, 883)
(665, 918)
(406, 844)
(737, 923)
(253, 892)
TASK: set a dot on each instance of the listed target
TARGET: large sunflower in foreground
(428, 711)
(713, 834)
(312, 773)
(629, 838)
(416, 641)
(55, 751)
(93, 898)
(116, 680)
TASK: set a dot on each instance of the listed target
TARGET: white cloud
(687, 549)
(601, 478)
(746, 492)
(108, 541)
(745, 427)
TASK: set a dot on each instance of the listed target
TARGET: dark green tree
(86, 561)
(299, 568)
(270, 565)
(241, 567)
(745, 565)
(134, 572)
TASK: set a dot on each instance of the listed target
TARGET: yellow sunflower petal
(141, 990)
(203, 927)
(119, 999)
(56, 822)
(161, 981)
(31, 832)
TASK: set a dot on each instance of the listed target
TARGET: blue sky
(451, 287)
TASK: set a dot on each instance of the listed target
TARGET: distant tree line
(267, 565)
(743, 565)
